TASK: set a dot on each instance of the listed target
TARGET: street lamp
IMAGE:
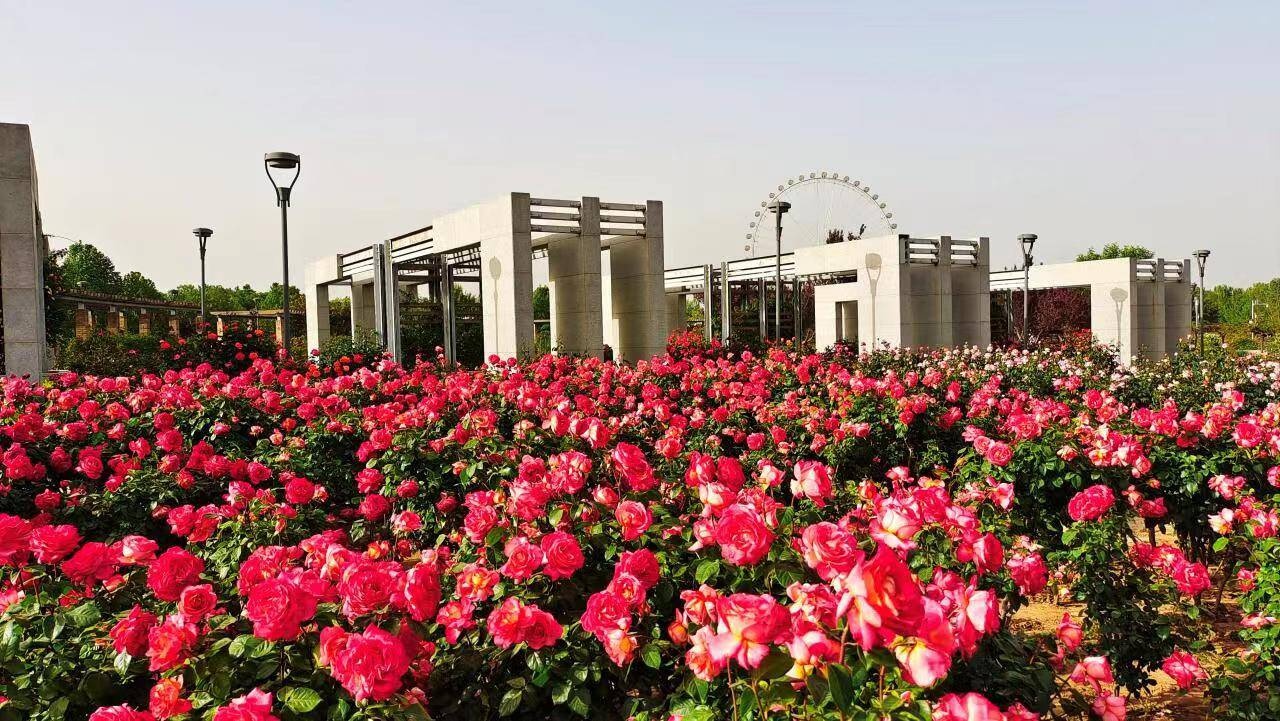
(778, 208)
(282, 163)
(202, 235)
(1028, 241)
(1201, 256)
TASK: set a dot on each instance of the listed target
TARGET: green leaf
(841, 686)
(651, 655)
(775, 664)
(580, 702)
(1220, 544)
(122, 663)
(243, 644)
(705, 570)
(510, 701)
(86, 614)
(300, 699)
(560, 693)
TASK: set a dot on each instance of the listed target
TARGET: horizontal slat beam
(555, 229)
(636, 219)
(555, 203)
(548, 215)
(622, 206)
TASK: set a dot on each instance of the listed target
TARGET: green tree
(136, 285)
(217, 297)
(272, 298)
(1115, 250)
(541, 302)
(86, 268)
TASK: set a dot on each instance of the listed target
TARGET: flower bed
(707, 535)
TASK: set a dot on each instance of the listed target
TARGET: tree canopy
(84, 267)
(1115, 250)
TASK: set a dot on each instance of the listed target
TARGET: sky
(1154, 123)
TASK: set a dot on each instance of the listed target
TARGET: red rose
(523, 559)
(129, 635)
(94, 562)
(166, 699)
(197, 602)
(1091, 503)
(564, 555)
(279, 606)
(630, 465)
(829, 549)
(634, 517)
(253, 706)
(51, 544)
(374, 506)
(122, 712)
(605, 612)
(742, 535)
(642, 564)
(370, 664)
(366, 586)
(172, 571)
(299, 490)
(812, 480)
(421, 595)
(15, 537)
(169, 644)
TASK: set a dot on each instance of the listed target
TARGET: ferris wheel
(824, 206)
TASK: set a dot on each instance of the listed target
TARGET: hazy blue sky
(1153, 123)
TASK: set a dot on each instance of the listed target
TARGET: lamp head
(287, 161)
(1201, 256)
(1028, 241)
(282, 163)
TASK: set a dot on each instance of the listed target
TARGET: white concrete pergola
(1141, 306)
(495, 243)
(904, 291)
(22, 252)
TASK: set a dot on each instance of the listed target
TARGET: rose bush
(708, 534)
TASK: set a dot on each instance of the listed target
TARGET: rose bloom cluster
(409, 540)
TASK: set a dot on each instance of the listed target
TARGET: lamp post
(1201, 256)
(1028, 241)
(202, 235)
(778, 208)
(283, 162)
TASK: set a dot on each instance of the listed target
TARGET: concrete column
(84, 322)
(638, 289)
(144, 322)
(386, 299)
(675, 313)
(1177, 314)
(115, 321)
(506, 270)
(447, 318)
(797, 311)
(573, 279)
(22, 253)
(362, 314)
(726, 303)
(762, 307)
(315, 290)
(944, 337)
(971, 298)
(708, 278)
